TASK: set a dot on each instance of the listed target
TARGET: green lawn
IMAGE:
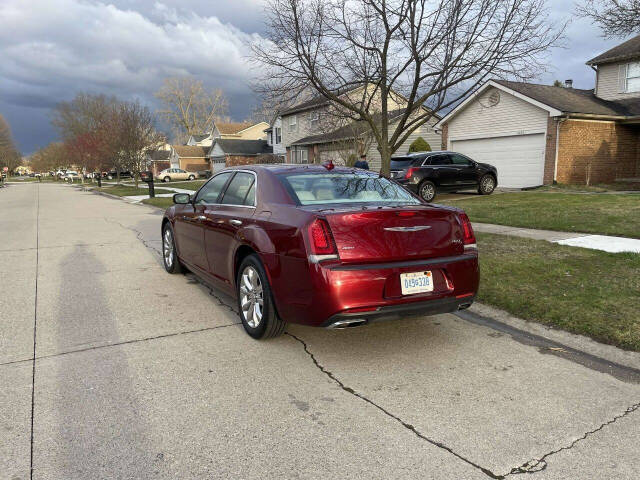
(194, 185)
(583, 291)
(126, 191)
(598, 213)
(162, 202)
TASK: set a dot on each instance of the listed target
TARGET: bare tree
(188, 107)
(616, 18)
(9, 154)
(137, 136)
(360, 53)
(49, 158)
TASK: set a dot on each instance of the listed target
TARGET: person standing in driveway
(362, 163)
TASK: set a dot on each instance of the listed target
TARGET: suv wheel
(255, 303)
(427, 191)
(169, 252)
(487, 185)
(166, 179)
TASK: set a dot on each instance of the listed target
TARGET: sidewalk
(595, 242)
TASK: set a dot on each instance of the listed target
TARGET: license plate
(416, 282)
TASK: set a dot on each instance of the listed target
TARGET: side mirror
(181, 198)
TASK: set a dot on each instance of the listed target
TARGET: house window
(293, 123)
(313, 118)
(278, 133)
(633, 77)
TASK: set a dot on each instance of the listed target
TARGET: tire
(170, 257)
(487, 185)
(252, 281)
(166, 179)
(192, 177)
(427, 191)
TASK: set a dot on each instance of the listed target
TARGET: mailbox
(146, 176)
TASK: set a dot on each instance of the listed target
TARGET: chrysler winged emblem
(417, 228)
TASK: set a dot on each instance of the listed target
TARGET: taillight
(321, 241)
(468, 238)
(410, 172)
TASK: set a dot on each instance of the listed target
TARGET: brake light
(468, 237)
(321, 241)
(410, 172)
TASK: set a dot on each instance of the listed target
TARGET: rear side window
(398, 163)
(211, 191)
(250, 200)
(439, 160)
(238, 189)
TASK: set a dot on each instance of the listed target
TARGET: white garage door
(519, 159)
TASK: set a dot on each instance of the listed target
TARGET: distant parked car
(204, 173)
(175, 174)
(113, 174)
(71, 176)
(427, 173)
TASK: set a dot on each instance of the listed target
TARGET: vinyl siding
(511, 116)
(425, 131)
(278, 149)
(607, 83)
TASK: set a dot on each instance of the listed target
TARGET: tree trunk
(385, 159)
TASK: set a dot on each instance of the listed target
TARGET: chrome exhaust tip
(349, 323)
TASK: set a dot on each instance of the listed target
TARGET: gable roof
(348, 131)
(624, 51)
(573, 100)
(229, 128)
(242, 147)
(201, 136)
(316, 101)
(189, 151)
(556, 100)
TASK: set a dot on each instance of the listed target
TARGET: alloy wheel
(251, 296)
(427, 192)
(487, 184)
(167, 248)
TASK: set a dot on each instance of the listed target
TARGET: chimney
(568, 83)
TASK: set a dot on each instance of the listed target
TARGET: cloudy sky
(52, 49)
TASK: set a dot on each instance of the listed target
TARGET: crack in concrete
(139, 235)
(406, 425)
(221, 303)
(125, 342)
(539, 464)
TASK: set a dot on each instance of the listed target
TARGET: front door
(190, 235)
(465, 170)
(234, 212)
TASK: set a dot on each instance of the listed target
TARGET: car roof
(299, 168)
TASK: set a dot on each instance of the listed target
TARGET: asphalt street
(112, 369)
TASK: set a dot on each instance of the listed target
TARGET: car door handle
(235, 222)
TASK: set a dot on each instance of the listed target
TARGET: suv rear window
(399, 163)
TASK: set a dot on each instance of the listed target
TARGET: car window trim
(226, 185)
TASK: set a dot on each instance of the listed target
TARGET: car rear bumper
(323, 294)
(391, 312)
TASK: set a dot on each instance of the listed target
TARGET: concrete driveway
(140, 374)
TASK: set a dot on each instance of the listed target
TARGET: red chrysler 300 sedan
(321, 246)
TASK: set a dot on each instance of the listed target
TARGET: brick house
(189, 157)
(232, 152)
(540, 134)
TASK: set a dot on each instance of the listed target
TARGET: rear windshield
(398, 163)
(323, 188)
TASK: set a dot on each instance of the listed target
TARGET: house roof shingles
(573, 100)
(189, 151)
(229, 128)
(243, 147)
(159, 155)
(624, 51)
(201, 136)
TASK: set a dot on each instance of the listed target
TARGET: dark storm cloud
(51, 50)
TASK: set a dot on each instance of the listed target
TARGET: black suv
(426, 173)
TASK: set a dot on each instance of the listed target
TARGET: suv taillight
(468, 237)
(410, 172)
(321, 241)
